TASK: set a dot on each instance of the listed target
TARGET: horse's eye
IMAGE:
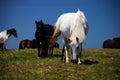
(38, 26)
(77, 47)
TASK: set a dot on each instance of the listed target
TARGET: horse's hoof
(79, 63)
(67, 61)
(39, 55)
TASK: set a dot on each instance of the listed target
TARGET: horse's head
(39, 24)
(12, 32)
(76, 47)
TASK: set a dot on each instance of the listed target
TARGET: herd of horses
(27, 44)
(73, 28)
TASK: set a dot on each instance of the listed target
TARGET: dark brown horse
(111, 44)
(43, 35)
(25, 44)
(34, 43)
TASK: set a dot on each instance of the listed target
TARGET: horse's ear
(36, 22)
(41, 21)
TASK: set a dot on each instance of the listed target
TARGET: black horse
(43, 35)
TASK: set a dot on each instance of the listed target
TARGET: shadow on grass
(57, 55)
(52, 56)
(89, 62)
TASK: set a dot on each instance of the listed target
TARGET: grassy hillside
(97, 64)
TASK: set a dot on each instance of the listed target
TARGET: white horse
(73, 27)
(4, 35)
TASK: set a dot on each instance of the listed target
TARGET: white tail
(56, 33)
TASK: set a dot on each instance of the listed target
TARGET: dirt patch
(21, 68)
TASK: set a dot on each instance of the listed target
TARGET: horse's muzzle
(16, 35)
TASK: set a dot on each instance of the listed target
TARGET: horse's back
(67, 23)
(3, 33)
(25, 44)
(111, 44)
(48, 30)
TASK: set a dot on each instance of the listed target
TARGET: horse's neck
(8, 33)
(80, 27)
(78, 32)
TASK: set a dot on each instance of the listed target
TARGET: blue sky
(103, 18)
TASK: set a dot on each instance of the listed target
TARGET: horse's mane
(80, 27)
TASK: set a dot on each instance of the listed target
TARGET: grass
(97, 64)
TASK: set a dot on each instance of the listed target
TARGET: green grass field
(97, 64)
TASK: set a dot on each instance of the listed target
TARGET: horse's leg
(46, 49)
(62, 57)
(4, 45)
(49, 51)
(52, 51)
(39, 51)
(79, 55)
(66, 53)
(38, 43)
